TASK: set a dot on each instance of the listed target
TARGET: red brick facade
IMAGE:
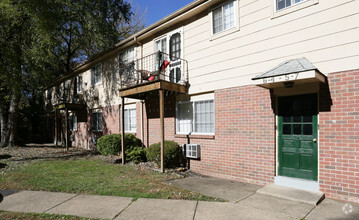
(339, 137)
(244, 146)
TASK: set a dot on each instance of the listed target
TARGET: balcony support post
(67, 129)
(123, 129)
(162, 125)
(56, 137)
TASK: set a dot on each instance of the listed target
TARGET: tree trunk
(3, 124)
(12, 122)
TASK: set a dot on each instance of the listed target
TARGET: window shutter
(92, 76)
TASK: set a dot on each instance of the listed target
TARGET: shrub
(173, 154)
(136, 154)
(111, 145)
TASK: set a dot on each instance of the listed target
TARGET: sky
(158, 9)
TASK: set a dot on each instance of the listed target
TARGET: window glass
(281, 4)
(96, 74)
(223, 18)
(79, 83)
(73, 122)
(196, 117)
(175, 46)
(184, 117)
(130, 120)
(96, 119)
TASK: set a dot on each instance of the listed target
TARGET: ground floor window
(195, 117)
(130, 120)
(73, 122)
(96, 121)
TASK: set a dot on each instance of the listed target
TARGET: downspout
(141, 102)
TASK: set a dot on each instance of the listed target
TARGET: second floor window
(223, 18)
(175, 46)
(96, 74)
(96, 121)
(78, 83)
(49, 95)
(130, 120)
(281, 4)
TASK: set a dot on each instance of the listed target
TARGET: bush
(136, 154)
(111, 145)
(173, 154)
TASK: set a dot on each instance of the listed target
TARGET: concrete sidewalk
(255, 206)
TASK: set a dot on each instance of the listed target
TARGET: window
(49, 95)
(73, 122)
(281, 4)
(127, 56)
(96, 74)
(78, 83)
(161, 45)
(175, 46)
(130, 120)
(96, 120)
(223, 18)
(196, 117)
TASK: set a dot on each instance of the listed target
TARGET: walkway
(251, 205)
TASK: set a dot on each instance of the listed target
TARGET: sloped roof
(288, 67)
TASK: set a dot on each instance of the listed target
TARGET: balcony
(153, 72)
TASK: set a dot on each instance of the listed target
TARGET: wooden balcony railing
(155, 67)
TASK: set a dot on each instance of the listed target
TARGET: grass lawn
(91, 176)
(31, 216)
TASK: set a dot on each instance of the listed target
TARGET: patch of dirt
(13, 157)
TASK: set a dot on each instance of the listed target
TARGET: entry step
(298, 195)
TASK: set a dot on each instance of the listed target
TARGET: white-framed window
(73, 122)
(195, 117)
(127, 56)
(224, 17)
(172, 44)
(130, 120)
(161, 45)
(78, 83)
(281, 4)
(96, 121)
(96, 74)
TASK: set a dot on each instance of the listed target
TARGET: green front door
(297, 139)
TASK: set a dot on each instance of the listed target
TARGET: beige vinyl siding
(324, 33)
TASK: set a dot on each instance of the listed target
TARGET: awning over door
(290, 73)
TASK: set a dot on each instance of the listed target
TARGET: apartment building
(260, 91)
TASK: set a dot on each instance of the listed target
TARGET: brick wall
(111, 120)
(243, 147)
(339, 136)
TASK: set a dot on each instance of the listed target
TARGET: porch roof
(297, 71)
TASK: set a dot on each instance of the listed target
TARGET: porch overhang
(140, 91)
(290, 73)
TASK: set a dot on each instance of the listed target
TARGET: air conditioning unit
(94, 93)
(192, 151)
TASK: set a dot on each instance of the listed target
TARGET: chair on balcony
(150, 76)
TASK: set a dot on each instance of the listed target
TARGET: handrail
(156, 66)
